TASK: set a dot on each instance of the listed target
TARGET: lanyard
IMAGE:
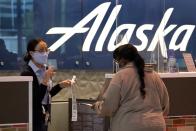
(74, 102)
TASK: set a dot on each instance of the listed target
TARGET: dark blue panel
(137, 12)
(36, 17)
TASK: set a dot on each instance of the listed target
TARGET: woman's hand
(65, 83)
(97, 106)
(48, 75)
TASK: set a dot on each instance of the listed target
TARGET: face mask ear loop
(117, 66)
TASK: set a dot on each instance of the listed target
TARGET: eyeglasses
(43, 50)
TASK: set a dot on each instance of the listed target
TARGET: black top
(39, 91)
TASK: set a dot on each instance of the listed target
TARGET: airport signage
(98, 14)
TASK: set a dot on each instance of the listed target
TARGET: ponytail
(139, 63)
(27, 57)
(130, 53)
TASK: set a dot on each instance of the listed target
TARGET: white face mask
(40, 58)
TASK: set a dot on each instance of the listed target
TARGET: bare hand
(65, 83)
(98, 107)
(48, 75)
(93, 106)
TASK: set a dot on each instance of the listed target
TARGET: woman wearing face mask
(136, 98)
(36, 59)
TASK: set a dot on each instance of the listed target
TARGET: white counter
(181, 89)
(15, 78)
(167, 75)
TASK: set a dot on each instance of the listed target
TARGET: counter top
(15, 78)
(167, 75)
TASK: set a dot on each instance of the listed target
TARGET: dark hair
(130, 53)
(31, 47)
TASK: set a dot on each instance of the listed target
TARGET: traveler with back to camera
(136, 98)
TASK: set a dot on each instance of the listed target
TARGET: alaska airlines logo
(99, 13)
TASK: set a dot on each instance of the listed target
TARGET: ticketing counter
(16, 103)
(181, 87)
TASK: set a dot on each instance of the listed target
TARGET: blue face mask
(40, 58)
